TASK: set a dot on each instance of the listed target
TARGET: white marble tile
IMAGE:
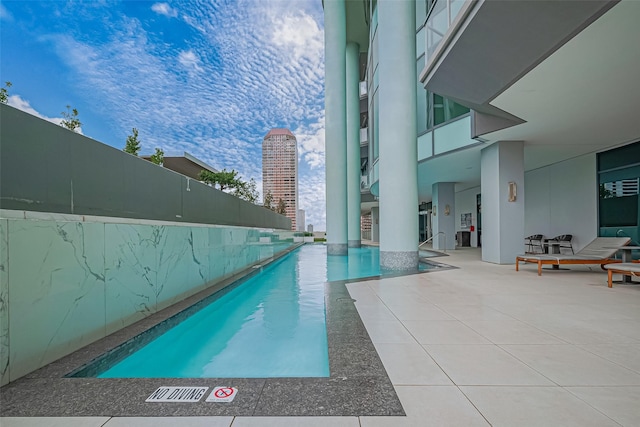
(131, 272)
(621, 404)
(169, 422)
(417, 310)
(483, 365)
(577, 331)
(443, 332)
(511, 331)
(56, 290)
(627, 355)
(4, 304)
(388, 332)
(53, 421)
(430, 406)
(473, 312)
(534, 406)
(568, 365)
(374, 312)
(296, 422)
(409, 364)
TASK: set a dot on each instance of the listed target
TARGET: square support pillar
(502, 186)
(443, 220)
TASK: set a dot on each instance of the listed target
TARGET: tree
(225, 179)
(71, 120)
(4, 93)
(246, 190)
(157, 157)
(268, 200)
(282, 207)
(133, 143)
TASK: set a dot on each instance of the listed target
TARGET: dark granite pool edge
(358, 384)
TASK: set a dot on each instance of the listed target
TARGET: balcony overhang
(358, 23)
(498, 42)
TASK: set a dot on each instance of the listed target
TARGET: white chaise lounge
(625, 268)
(599, 251)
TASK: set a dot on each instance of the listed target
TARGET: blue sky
(209, 77)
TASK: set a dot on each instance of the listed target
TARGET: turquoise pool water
(271, 325)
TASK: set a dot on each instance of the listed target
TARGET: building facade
(488, 113)
(280, 171)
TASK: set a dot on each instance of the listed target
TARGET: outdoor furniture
(599, 251)
(627, 257)
(560, 242)
(629, 269)
(534, 241)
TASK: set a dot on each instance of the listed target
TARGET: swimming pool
(270, 325)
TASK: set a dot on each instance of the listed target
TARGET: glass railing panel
(364, 132)
(436, 27)
(364, 182)
(443, 14)
(455, 6)
(363, 89)
(420, 41)
(452, 136)
(425, 146)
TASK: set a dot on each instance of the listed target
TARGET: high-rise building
(280, 170)
(301, 220)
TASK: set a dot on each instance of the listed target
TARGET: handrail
(431, 238)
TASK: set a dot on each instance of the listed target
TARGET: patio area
(483, 345)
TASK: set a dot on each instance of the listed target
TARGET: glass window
(420, 40)
(421, 102)
(619, 192)
(421, 12)
(376, 125)
(619, 203)
(444, 110)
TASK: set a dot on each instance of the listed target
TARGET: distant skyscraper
(300, 220)
(280, 170)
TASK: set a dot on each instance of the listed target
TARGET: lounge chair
(534, 241)
(562, 241)
(599, 251)
(626, 268)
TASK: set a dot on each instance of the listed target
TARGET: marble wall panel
(215, 253)
(73, 282)
(56, 290)
(130, 272)
(4, 304)
(182, 264)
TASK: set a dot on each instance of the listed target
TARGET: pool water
(271, 325)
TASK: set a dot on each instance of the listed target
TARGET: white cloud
(298, 34)
(259, 65)
(189, 60)
(22, 104)
(5, 14)
(164, 9)
(311, 192)
(311, 143)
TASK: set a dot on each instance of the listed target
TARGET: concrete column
(398, 158)
(444, 220)
(335, 39)
(375, 224)
(502, 220)
(353, 145)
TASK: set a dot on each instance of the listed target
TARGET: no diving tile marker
(222, 394)
(177, 394)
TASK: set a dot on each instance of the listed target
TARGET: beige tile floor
(483, 345)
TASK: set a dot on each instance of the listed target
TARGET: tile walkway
(482, 345)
